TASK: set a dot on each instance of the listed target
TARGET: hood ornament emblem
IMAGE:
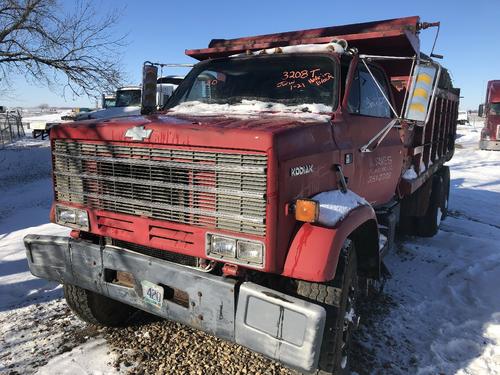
(138, 133)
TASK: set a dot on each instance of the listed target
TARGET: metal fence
(11, 127)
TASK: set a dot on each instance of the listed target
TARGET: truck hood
(249, 133)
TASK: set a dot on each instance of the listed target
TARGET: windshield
(495, 108)
(289, 80)
(127, 98)
(109, 103)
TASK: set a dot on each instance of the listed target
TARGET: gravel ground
(150, 345)
(162, 347)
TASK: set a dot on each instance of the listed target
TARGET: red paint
(315, 250)
(231, 270)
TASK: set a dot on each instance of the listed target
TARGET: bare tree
(54, 46)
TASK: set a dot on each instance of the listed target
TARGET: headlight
(72, 217)
(250, 251)
(224, 247)
(236, 250)
(67, 216)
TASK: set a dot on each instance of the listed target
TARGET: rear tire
(445, 174)
(339, 298)
(97, 309)
(428, 225)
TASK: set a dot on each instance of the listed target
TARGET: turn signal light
(306, 210)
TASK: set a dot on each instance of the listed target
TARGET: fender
(315, 250)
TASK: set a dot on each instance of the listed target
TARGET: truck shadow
(13, 266)
(28, 292)
(12, 222)
(369, 339)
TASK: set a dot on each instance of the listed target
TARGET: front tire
(97, 309)
(339, 298)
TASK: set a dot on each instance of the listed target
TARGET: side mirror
(149, 78)
(422, 91)
(480, 110)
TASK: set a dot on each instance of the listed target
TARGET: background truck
(259, 205)
(127, 103)
(490, 110)
(108, 100)
(128, 98)
(463, 118)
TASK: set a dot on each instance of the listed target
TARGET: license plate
(152, 293)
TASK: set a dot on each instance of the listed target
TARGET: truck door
(374, 175)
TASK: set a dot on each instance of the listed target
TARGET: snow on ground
(35, 323)
(439, 314)
(48, 117)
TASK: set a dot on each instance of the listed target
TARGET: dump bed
(397, 37)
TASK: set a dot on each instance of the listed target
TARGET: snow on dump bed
(410, 173)
(334, 46)
(252, 107)
(335, 205)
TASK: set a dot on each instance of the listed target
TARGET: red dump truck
(259, 204)
(490, 110)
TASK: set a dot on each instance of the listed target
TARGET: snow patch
(90, 358)
(410, 173)
(335, 205)
(47, 117)
(422, 166)
(252, 107)
(382, 240)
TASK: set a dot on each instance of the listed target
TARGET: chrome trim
(203, 189)
(186, 165)
(223, 189)
(251, 219)
(234, 260)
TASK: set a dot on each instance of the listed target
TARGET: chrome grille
(209, 189)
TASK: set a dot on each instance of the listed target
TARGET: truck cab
(127, 103)
(108, 100)
(490, 134)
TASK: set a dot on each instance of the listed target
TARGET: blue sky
(161, 31)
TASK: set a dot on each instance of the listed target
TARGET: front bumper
(277, 325)
(489, 145)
